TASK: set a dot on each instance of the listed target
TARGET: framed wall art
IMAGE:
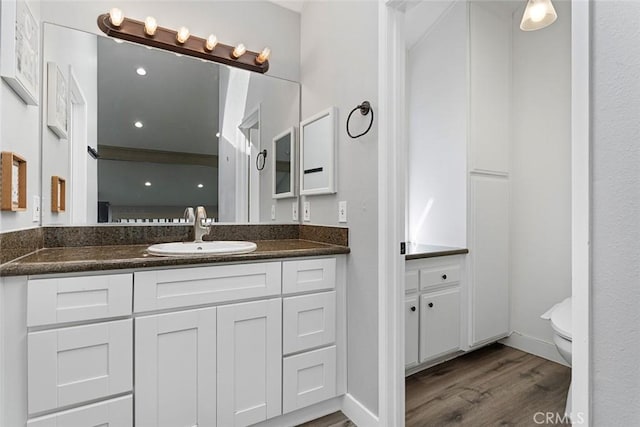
(57, 101)
(14, 182)
(20, 49)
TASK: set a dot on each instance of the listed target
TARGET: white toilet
(560, 316)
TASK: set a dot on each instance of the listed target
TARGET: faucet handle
(189, 214)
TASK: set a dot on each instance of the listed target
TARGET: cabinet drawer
(308, 321)
(441, 275)
(72, 299)
(308, 275)
(74, 365)
(161, 289)
(411, 281)
(308, 378)
(113, 413)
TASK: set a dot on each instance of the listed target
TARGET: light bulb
(183, 35)
(537, 15)
(147, 184)
(200, 185)
(138, 124)
(264, 56)
(211, 43)
(238, 51)
(150, 25)
(141, 71)
(116, 17)
(537, 12)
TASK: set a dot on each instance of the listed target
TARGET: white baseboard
(358, 413)
(304, 415)
(534, 346)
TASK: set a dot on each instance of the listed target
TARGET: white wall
(339, 62)
(20, 133)
(540, 174)
(615, 97)
(437, 109)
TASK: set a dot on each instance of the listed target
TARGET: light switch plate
(273, 212)
(36, 208)
(306, 211)
(342, 211)
(294, 211)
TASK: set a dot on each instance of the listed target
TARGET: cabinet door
(249, 362)
(74, 365)
(411, 318)
(176, 369)
(111, 413)
(439, 323)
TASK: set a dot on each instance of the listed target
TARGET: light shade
(537, 15)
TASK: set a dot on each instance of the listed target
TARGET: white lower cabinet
(175, 369)
(439, 323)
(73, 365)
(411, 321)
(110, 413)
(249, 362)
(308, 378)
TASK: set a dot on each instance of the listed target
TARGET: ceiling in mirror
(169, 131)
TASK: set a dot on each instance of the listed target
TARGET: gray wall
(339, 63)
(615, 139)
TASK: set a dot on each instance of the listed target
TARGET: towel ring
(261, 159)
(364, 108)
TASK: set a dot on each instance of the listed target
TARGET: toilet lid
(561, 319)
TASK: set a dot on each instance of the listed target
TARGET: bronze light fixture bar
(164, 38)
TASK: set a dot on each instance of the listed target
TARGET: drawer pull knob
(430, 305)
(413, 308)
(444, 277)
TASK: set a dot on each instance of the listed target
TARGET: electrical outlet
(306, 211)
(342, 211)
(294, 211)
(36, 209)
(273, 212)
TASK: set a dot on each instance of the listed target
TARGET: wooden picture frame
(58, 194)
(20, 49)
(57, 101)
(14, 182)
(318, 152)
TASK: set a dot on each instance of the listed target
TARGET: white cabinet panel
(439, 323)
(111, 413)
(249, 362)
(161, 289)
(176, 369)
(411, 281)
(308, 275)
(308, 321)
(411, 319)
(71, 299)
(75, 365)
(489, 258)
(308, 378)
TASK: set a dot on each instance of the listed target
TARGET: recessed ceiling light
(138, 124)
(200, 185)
(147, 184)
(141, 71)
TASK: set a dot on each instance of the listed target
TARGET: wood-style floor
(493, 386)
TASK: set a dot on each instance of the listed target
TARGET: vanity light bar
(167, 39)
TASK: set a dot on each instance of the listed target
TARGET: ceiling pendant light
(537, 15)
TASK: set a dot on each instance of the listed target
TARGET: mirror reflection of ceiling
(174, 88)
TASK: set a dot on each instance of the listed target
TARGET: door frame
(392, 151)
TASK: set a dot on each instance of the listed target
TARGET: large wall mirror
(169, 132)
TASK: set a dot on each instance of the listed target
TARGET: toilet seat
(561, 319)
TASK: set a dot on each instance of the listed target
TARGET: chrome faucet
(200, 228)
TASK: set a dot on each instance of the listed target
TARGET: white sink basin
(202, 248)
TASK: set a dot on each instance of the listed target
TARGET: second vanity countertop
(97, 258)
(418, 251)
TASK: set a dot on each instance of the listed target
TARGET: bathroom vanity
(152, 341)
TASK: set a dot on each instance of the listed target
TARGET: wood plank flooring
(493, 386)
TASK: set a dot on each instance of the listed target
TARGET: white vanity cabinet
(434, 315)
(215, 345)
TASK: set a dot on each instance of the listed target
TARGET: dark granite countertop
(418, 251)
(96, 258)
